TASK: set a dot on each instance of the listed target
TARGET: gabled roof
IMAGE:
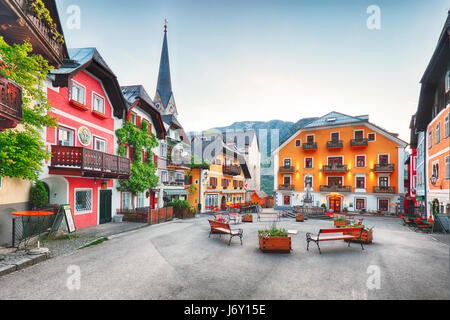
(89, 59)
(137, 96)
(336, 118)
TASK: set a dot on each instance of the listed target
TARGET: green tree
(22, 150)
(143, 174)
(38, 195)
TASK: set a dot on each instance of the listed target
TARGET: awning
(175, 192)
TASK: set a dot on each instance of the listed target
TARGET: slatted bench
(272, 215)
(320, 236)
(224, 228)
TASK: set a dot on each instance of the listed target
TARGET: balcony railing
(388, 167)
(335, 144)
(85, 162)
(231, 170)
(335, 188)
(289, 187)
(335, 168)
(10, 103)
(384, 189)
(310, 146)
(287, 169)
(359, 143)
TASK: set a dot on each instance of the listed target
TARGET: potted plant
(299, 217)
(274, 240)
(340, 222)
(366, 235)
(247, 217)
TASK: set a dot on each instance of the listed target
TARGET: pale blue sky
(258, 60)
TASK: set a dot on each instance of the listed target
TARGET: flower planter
(247, 219)
(339, 223)
(275, 244)
(366, 236)
(299, 218)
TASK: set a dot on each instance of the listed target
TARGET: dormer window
(98, 103)
(78, 93)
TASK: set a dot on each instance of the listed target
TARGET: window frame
(80, 86)
(102, 140)
(84, 211)
(67, 129)
(97, 96)
(356, 161)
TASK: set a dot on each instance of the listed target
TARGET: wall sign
(84, 136)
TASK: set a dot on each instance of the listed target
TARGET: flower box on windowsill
(78, 105)
(99, 114)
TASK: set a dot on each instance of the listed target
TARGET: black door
(105, 206)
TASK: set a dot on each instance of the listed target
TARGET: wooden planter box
(338, 224)
(247, 219)
(366, 236)
(275, 244)
(300, 218)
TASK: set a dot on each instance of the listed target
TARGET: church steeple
(164, 99)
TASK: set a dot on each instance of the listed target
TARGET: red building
(89, 106)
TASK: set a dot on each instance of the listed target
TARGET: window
(383, 159)
(360, 161)
(415, 163)
(66, 137)
(99, 144)
(335, 137)
(298, 143)
(438, 132)
(133, 118)
(140, 200)
(383, 204)
(447, 169)
(446, 127)
(83, 201)
(430, 139)
(164, 177)
(213, 182)
(447, 81)
(335, 161)
(359, 135)
(126, 205)
(310, 139)
(335, 181)
(127, 151)
(308, 182)
(218, 162)
(287, 163)
(98, 103)
(78, 93)
(163, 150)
(360, 204)
(371, 136)
(308, 163)
(287, 180)
(383, 182)
(360, 182)
(435, 169)
(287, 200)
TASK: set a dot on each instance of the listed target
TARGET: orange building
(218, 175)
(348, 163)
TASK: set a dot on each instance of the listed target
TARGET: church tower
(164, 99)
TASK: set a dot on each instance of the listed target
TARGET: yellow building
(346, 161)
(218, 175)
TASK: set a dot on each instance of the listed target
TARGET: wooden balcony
(310, 146)
(83, 162)
(335, 144)
(335, 168)
(336, 188)
(285, 169)
(10, 104)
(359, 143)
(288, 187)
(390, 190)
(20, 22)
(232, 170)
(389, 167)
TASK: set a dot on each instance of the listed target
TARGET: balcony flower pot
(274, 240)
(299, 217)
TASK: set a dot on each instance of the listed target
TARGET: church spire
(164, 86)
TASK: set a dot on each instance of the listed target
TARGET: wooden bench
(320, 237)
(268, 214)
(224, 228)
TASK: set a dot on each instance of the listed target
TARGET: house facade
(84, 165)
(19, 23)
(218, 175)
(432, 121)
(340, 161)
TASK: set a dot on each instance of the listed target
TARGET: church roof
(164, 86)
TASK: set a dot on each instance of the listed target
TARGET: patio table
(26, 223)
